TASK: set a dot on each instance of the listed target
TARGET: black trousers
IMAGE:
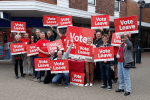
(48, 77)
(16, 66)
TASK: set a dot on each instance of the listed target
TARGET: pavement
(29, 89)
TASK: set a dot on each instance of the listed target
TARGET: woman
(105, 66)
(17, 59)
(124, 55)
(89, 64)
(32, 41)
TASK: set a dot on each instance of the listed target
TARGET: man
(51, 37)
(26, 61)
(63, 36)
(43, 52)
(97, 42)
(37, 36)
(58, 78)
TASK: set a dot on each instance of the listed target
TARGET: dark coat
(52, 37)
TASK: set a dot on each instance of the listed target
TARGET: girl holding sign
(89, 64)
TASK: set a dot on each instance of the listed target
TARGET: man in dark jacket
(51, 37)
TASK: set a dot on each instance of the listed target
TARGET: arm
(46, 53)
(58, 33)
(55, 34)
(129, 44)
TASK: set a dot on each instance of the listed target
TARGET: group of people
(103, 68)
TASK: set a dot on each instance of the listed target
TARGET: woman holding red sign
(18, 59)
(124, 56)
(89, 64)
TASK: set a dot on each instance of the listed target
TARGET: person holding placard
(105, 66)
(63, 36)
(124, 56)
(17, 59)
(89, 64)
(58, 78)
(51, 37)
(26, 61)
(43, 52)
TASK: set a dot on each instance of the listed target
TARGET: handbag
(127, 65)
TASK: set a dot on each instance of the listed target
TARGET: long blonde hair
(91, 40)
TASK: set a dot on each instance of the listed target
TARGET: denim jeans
(123, 74)
(39, 72)
(32, 60)
(58, 78)
(106, 73)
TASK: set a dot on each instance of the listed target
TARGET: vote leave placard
(49, 20)
(99, 21)
(42, 64)
(59, 66)
(77, 78)
(79, 35)
(128, 24)
(31, 49)
(52, 45)
(104, 54)
(18, 26)
(17, 48)
(64, 21)
(84, 50)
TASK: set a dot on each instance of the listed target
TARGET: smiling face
(59, 54)
(48, 33)
(32, 39)
(89, 40)
(42, 36)
(52, 53)
(98, 35)
(26, 36)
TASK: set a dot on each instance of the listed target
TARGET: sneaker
(114, 80)
(91, 84)
(39, 80)
(103, 86)
(109, 87)
(17, 77)
(22, 75)
(66, 86)
(86, 84)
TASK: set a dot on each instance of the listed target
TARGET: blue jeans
(32, 60)
(58, 78)
(123, 74)
(39, 72)
(106, 73)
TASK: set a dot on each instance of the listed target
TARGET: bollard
(133, 64)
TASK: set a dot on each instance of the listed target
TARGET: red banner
(17, 48)
(18, 26)
(49, 20)
(79, 35)
(52, 45)
(84, 50)
(77, 78)
(64, 21)
(128, 24)
(104, 54)
(59, 66)
(99, 21)
(42, 64)
(31, 49)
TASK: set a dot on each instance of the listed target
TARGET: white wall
(63, 3)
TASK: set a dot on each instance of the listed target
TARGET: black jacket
(98, 42)
(52, 37)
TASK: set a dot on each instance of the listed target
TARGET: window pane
(91, 1)
(116, 6)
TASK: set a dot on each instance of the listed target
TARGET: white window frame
(118, 4)
(92, 4)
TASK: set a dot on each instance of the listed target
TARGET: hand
(71, 40)
(125, 34)
(46, 53)
(51, 27)
(105, 61)
(118, 56)
(101, 28)
(57, 44)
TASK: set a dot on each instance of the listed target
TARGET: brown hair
(105, 35)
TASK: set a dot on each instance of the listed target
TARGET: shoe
(103, 86)
(109, 87)
(66, 86)
(91, 84)
(127, 93)
(114, 80)
(30, 75)
(39, 80)
(120, 90)
(17, 77)
(86, 84)
(59, 84)
(22, 75)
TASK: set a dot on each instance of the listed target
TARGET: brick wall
(105, 7)
(123, 9)
(146, 15)
(78, 4)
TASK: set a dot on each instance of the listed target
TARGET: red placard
(17, 48)
(128, 24)
(49, 20)
(42, 64)
(18, 26)
(84, 50)
(59, 66)
(31, 49)
(64, 21)
(52, 45)
(77, 78)
(79, 35)
(104, 54)
(99, 21)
